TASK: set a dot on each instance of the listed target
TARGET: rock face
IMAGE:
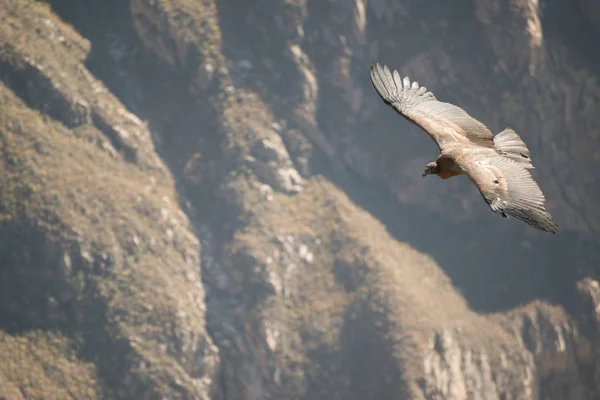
(207, 200)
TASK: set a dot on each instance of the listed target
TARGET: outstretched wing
(443, 122)
(506, 186)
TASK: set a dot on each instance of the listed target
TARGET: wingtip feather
(395, 90)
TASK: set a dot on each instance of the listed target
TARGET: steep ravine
(207, 200)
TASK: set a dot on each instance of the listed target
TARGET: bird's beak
(424, 174)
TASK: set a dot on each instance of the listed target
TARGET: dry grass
(43, 365)
(82, 197)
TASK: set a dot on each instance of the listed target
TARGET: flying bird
(498, 165)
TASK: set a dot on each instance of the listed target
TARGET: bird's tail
(510, 145)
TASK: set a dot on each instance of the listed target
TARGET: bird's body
(498, 165)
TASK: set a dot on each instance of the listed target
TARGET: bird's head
(431, 169)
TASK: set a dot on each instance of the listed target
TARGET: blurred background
(206, 199)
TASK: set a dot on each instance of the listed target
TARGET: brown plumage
(497, 165)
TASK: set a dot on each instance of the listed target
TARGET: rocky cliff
(207, 200)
